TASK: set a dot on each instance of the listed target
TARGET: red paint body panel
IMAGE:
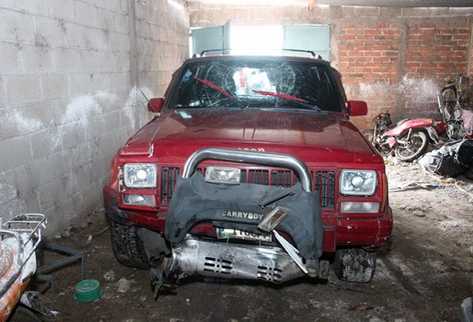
(410, 124)
(321, 140)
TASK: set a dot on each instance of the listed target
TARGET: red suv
(250, 170)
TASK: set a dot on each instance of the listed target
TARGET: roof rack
(227, 51)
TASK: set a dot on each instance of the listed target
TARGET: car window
(239, 83)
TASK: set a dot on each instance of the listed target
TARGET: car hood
(312, 137)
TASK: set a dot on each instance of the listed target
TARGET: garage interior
(75, 77)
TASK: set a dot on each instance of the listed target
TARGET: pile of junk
(449, 140)
(22, 280)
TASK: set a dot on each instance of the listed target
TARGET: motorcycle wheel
(415, 148)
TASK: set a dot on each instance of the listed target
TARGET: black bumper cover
(196, 200)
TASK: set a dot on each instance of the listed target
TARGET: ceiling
(377, 3)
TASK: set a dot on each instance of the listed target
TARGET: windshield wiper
(213, 86)
(288, 97)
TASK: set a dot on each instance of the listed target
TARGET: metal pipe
(263, 158)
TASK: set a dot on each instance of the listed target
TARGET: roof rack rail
(207, 51)
(226, 51)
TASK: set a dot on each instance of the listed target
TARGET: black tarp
(241, 207)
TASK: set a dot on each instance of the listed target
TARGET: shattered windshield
(257, 84)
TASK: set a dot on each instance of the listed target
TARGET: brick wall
(69, 73)
(394, 58)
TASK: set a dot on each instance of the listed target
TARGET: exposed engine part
(355, 265)
(234, 261)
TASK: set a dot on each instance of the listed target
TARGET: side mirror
(155, 105)
(357, 108)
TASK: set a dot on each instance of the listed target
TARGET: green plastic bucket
(87, 291)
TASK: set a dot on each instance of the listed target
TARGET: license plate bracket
(230, 233)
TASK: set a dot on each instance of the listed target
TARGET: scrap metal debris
(123, 285)
(415, 186)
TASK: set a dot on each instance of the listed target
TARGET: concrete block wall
(70, 71)
(394, 58)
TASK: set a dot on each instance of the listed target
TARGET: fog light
(222, 175)
(139, 200)
(360, 207)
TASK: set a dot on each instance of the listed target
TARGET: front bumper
(339, 231)
(237, 261)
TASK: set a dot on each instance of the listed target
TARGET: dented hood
(310, 136)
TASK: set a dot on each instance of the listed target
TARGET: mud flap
(355, 265)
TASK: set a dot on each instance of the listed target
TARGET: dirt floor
(424, 277)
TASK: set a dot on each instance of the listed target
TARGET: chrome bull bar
(263, 158)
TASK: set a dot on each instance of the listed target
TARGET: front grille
(168, 182)
(323, 181)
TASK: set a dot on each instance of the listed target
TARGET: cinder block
(37, 7)
(112, 5)
(79, 155)
(37, 59)
(121, 23)
(73, 133)
(84, 178)
(51, 193)
(85, 13)
(9, 62)
(8, 189)
(96, 127)
(16, 27)
(54, 86)
(3, 96)
(25, 187)
(106, 19)
(19, 152)
(61, 9)
(45, 142)
(45, 170)
(18, 122)
(12, 208)
(53, 30)
(112, 120)
(23, 89)
(67, 60)
(119, 42)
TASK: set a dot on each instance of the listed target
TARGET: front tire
(355, 265)
(127, 246)
(416, 147)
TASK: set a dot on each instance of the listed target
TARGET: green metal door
(210, 38)
(308, 37)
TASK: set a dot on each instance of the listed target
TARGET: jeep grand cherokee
(251, 169)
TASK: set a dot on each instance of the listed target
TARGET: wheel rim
(414, 146)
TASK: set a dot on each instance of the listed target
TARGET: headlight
(222, 175)
(358, 182)
(140, 175)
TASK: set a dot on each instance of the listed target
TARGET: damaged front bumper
(235, 261)
(241, 207)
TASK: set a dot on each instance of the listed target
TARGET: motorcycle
(455, 103)
(408, 139)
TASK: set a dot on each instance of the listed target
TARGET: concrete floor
(424, 277)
